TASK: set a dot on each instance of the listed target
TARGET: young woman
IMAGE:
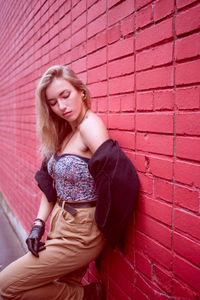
(88, 184)
(70, 133)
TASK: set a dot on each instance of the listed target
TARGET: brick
(64, 46)
(114, 33)
(112, 3)
(163, 190)
(183, 49)
(94, 105)
(79, 65)
(187, 173)
(126, 67)
(120, 48)
(163, 278)
(183, 3)
(119, 12)
(163, 8)
(121, 121)
(79, 23)
(96, 26)
(64, 22)
(187, 272)
(96, 42)
(186, 248)
(188, 20)
(187, 223)
(117, 291)
(103, 116)
(155, 122)
(90, 2)
(125, 139)
(97, 74)
(78, 37)
(155, 251)
(98, 89)
(127, 26)
(161, 167)
(97, 58)
(157, 56)
(140, 163)
(121, 85)
(145, 101)
(156, 78)
(44, 19)
(114, 104)
(188, 148)
(154, 229)
(53, 43)
(144, 17)
(102, 104)
(127, 102)
(96, 10)
(125, 265)
(54, 53)
(188, 98)
(188, 123)
(65, 35)
(155, 143)
(182, 290)
(64, 9)
(143, 264)
(186, 198)
(187, 73)
(154, 34)
(141, 3)
(145, 288)
(78, 9)
(164, 100)
(158, 210)
(124, 268)
(66, 58)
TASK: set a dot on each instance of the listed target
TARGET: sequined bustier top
(72, 179)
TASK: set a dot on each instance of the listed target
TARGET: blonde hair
(52, 129)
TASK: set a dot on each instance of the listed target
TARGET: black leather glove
(33, 240)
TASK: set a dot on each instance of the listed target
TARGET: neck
(80, 120)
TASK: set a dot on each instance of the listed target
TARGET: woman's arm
(93, 132)
(45, 209)
(38, 228)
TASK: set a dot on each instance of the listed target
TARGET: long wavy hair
(52, 129)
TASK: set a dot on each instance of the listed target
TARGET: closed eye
(66, 95)
(52, 102)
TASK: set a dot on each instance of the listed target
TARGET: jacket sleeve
(45, 182)
(117, 187)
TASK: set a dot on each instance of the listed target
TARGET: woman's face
(65, 101)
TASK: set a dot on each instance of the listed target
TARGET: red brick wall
(141, 62)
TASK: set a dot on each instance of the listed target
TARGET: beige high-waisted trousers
(72, 243)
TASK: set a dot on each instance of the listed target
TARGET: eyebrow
(60, 94)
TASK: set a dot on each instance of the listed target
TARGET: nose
(61, 104)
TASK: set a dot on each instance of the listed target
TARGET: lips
(67, 113)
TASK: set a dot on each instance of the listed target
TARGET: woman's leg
(73, 242)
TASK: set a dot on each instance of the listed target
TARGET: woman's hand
(38, 228)
(33, 240)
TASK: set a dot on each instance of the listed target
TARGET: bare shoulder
(93, 131)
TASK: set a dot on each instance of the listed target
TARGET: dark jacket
(45, 182)
(117, 187)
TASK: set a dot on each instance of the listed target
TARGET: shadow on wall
(11, 241)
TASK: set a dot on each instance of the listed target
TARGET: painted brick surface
(140, 60)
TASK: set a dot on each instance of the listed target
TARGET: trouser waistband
(70, 206)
